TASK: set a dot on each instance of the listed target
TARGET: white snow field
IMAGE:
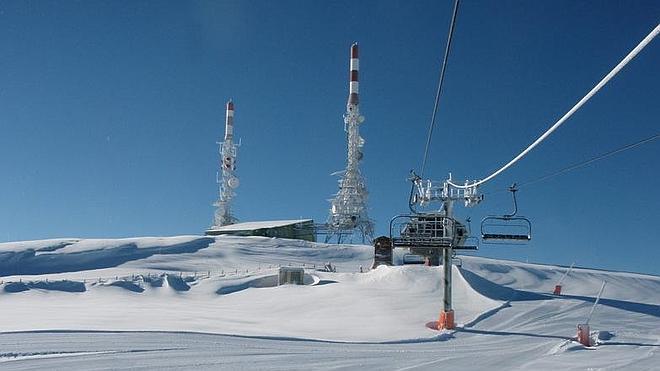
(213, 303)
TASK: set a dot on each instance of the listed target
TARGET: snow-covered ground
(191, 301)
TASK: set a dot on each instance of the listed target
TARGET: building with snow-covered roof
(301, 229)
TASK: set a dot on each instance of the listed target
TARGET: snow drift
(227, 285)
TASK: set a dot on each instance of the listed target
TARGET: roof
(249, 226)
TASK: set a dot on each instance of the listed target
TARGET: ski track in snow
(212, 303)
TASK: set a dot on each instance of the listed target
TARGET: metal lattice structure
(226, 177)
(348, 212)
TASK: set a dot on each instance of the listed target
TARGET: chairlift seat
(497, 236)
(466, 247)
(498, 229)
(506, 229)
(421, 242)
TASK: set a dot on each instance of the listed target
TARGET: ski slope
(81, 303)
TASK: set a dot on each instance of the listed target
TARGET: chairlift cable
(585, 162)
(568, 114)
(591, 160)
(440, 82)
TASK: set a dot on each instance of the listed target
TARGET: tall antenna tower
(226, 176)
(348, 212)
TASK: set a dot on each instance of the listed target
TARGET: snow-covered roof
(248, 226)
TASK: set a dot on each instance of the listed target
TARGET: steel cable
(440, 82)
(568, 114)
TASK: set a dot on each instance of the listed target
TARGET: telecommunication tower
(348, 212)
(226, 177)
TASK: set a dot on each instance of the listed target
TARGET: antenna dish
(233, 182)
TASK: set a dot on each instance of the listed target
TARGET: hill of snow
(179, 286)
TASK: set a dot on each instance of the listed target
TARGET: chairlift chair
(427, 235)
(426, 231)
(507, 229)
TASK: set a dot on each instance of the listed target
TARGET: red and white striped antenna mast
(348, 211)
(226, 177)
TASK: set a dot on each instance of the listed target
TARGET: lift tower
(432, 232)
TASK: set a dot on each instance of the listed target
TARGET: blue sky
(110, 112)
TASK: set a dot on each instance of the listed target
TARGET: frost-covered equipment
(434, 229)
(432, 233)
(427, 230)
(226, 177)
(426, 234)
(507, 229)
(348, 210)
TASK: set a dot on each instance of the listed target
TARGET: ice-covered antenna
(227, 178)
(348, 210)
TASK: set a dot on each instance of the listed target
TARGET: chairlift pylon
(507, 229)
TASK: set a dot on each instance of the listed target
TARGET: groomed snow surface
(213, 303)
